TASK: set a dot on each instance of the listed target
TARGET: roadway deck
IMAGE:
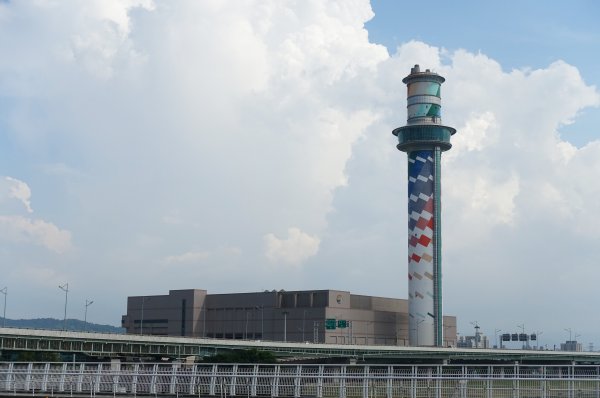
(126, 345)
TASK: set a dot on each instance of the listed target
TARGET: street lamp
(522, 327)
(65, 288)
(204, 320)
(537, 339)
(418, 323)
(246, 327)
(87, 304)
(446, 328)
(262, 320)
(142, 317)
(570, 333)
(476, 326)
(144, 298)
(303, 324)
(285, 314)
(4, 291)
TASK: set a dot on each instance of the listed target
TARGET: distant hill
(57, 324)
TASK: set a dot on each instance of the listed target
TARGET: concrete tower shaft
(424, 138)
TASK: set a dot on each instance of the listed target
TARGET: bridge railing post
(9, 375)
(79, 385)
(343, 370)
(63, 377)
(389, 382)
(115, 369)
(153, 380)
(44, 385)
(297, 381)
(134, 378)
(366, 381)
(173, 381)
(254, 384)
(232, 388)
(413, 381)
(320, 381)
(193, 378)
(213, 381)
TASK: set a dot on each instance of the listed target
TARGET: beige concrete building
(319, 316)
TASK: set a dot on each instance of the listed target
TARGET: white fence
(344, 381)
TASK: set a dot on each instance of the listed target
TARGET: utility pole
(65, 288)
(285, 314)
(4, 291)
(87, 304)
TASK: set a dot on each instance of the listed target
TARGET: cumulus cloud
(285, 120)
(21, 229)
(191, 257)
(17, 228)
(20, 191)
(293, 250)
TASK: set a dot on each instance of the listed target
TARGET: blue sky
(148, 146)
(517, 34)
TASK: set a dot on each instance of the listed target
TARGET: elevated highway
(126, 345)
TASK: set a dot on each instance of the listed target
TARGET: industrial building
(315, 316)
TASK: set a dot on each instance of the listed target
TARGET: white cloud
(20, 191)
(293, 250)
(232, 119)
(478, 132)
(21, 229)
(18, 229)
(192, 257)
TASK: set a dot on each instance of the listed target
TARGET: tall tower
(424, 138)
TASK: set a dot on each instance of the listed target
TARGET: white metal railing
(321, 381)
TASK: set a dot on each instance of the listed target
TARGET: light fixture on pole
(420, 321)
(476, 326)
(303, 323)
(570, 333)
(4, 291)
(87, 304)
(262, 322)
(537, 339)
(142, 317)
(204, 320)
(65, 288)
(285, 314)
(246, 327)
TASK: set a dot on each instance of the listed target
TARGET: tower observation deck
(424, 138)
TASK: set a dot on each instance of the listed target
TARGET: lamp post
(204, 321)
(4, 291)
(87, 304)
(418, 323)
(446, 328)
(303, 323)
(570, 333)
(476, 326)
(65, 288)
(537, 339)
(142, 317)
(285, 314)
(367, 332)
(246, 326)
(262, 320)
(522, 327)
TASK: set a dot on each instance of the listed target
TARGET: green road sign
(342, 324)
(330, 324)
